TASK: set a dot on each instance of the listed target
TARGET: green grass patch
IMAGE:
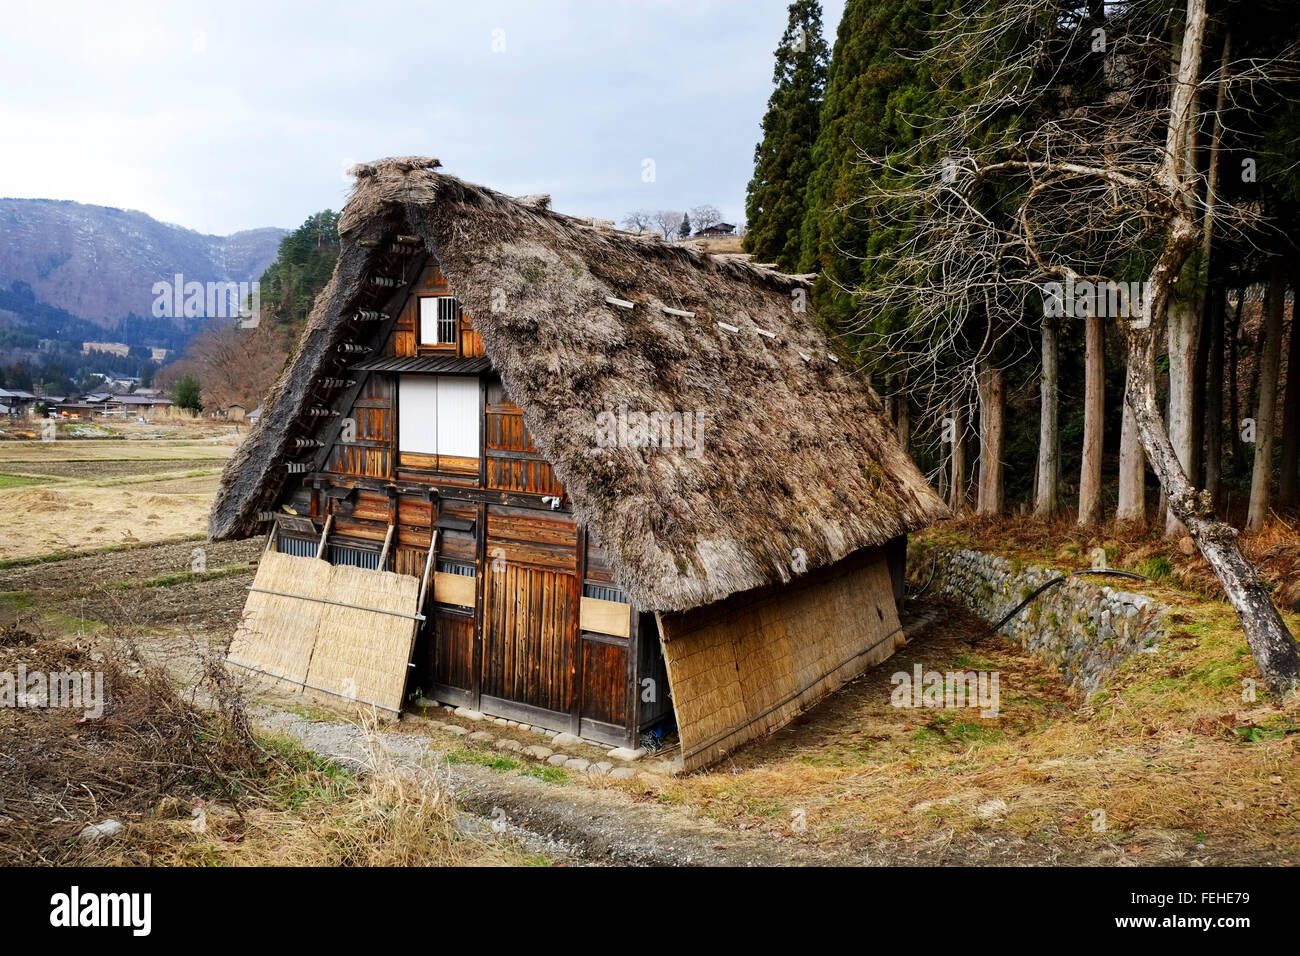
(481, 758)
(552, 775)
(18, 600)
(185, 577)
(309, 777)
(1157, 568)
(108, 549)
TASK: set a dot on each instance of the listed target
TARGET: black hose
(933, 565)
(1055, 581)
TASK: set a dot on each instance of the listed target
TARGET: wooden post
(388, 540)
(428, 563)
(320, 550)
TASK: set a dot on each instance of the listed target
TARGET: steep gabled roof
(797, 466)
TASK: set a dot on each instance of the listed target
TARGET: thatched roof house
(687, 407)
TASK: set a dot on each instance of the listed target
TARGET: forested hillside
(234, 363)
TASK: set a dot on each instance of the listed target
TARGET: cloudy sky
(231, 115)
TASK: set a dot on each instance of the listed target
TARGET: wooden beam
(320, 550)
(428, 563)
(388, 540)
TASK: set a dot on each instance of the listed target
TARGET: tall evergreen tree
(301, 269)
(872, 92)
(774, 202)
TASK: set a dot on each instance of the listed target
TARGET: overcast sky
(231, 115)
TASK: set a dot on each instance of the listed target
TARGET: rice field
(134, 485)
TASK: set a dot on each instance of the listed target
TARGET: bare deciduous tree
(702, 217)
(666, 222)
(1043, 181)
(235, 365)
(638, 221)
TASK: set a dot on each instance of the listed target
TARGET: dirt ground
(1184, 772)
(1165, 764)
(74, 494)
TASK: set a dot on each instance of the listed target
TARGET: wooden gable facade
(418, 446)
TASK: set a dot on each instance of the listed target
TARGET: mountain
(64, 264)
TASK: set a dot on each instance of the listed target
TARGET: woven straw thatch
(797, 468)
(337, 650)
(751, 664)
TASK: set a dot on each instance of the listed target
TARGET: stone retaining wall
(1085, 627)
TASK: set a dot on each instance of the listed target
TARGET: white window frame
(432, 316)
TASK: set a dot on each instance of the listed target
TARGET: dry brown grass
(76, 495)
(1275, 549)
(195, 786)
(1168, 748)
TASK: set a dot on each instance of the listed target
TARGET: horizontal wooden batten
(612, 734)
(455, 696)
(438, 464)
(606, 617)
(458, 589)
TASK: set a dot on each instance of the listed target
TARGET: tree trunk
(1198, 391)
(1232, 340)
(992, 398)
(1093, 408)
(1288, 493)
(1274, 649)
(957, 489)
(1271, 644)
(1270, 356)
(1184, 331)
(1214, 396)
(904, 421)
(1047, 495)
(1192, 362)
(1132, 469)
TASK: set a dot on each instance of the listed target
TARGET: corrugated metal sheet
(298, 547)
(355, 557)
(442, 365)
(604, 593)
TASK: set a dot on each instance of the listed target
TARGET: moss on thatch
(796, 466)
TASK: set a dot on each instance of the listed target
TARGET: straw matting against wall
(362, 654)
(277, 634)
(743, 668)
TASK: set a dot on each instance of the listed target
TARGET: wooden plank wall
(513, 462)
(531, 607)
(404, 341)
(530, 636)
(369, 454)
(530, 561)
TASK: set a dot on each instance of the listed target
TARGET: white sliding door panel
(458, 416)
(429, 321)
(417, 414)
(438, 415)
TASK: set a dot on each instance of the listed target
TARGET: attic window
(439, 319)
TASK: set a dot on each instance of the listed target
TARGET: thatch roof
(797, 465)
